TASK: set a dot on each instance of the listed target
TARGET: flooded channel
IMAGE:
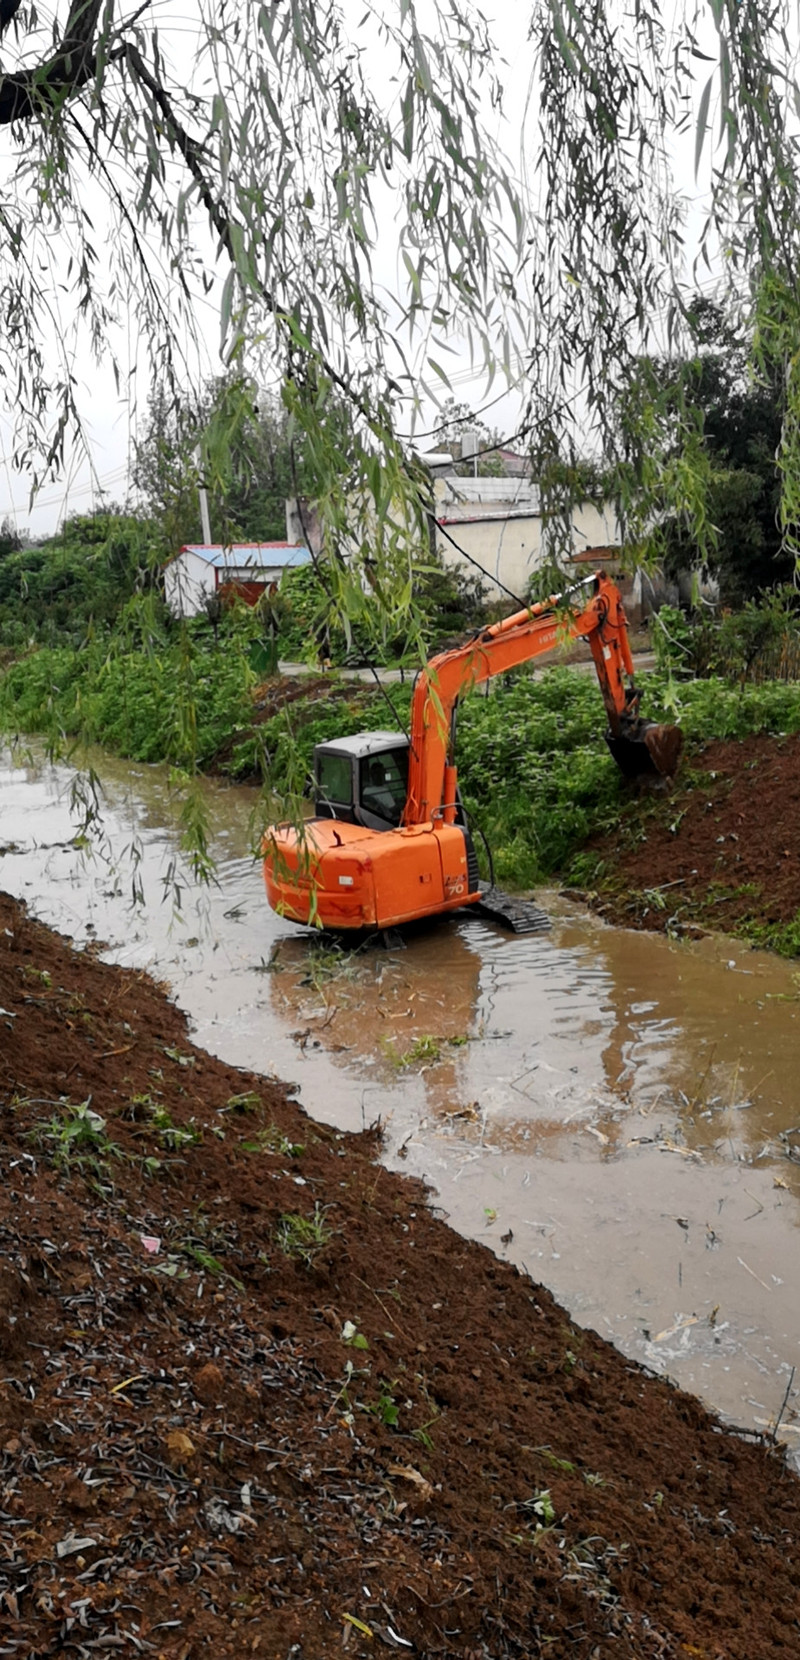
(616, 1112)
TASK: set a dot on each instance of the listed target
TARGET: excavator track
(520, 915)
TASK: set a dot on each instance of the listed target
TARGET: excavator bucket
(647, 749)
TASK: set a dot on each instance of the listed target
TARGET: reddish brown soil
(194, 1462)
(722, 853)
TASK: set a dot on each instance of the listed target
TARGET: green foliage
(236, 442)
(75, 1139)
(781, 937)
(305, 622)
(739, 416)
(273, 1141)
(386, 1408)
(715, 708)
(171, 1136)
(541, 1504)
(304, 1237)
(424, 1051)
(177, 698)
(80, 582)
(449, 602)
(545, 735)
(10, 539)
(760, 642)
(673, 636)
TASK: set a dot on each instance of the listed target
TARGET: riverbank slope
(257, 1399)
(718, 852)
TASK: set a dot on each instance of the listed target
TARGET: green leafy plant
(272, 1140)
(249, 1102)
(542, 1507)
(76, 1138)
(424, 1051)
(144, 1109)
(386, 1409)
(354, 1338)
(303, 1238)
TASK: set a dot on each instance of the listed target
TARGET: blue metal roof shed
(202, 569)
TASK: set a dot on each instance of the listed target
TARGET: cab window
(335, 779)
(384, 784)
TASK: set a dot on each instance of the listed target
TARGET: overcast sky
(113, 420)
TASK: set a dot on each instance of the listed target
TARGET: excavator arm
(637, 746)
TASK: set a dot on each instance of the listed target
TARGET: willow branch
(31, 92)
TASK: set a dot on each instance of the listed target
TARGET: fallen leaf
(126, 1382)
(406, 1472)
(680, 1325)
(179, 1446)
(366, 1631)
(71, 1545)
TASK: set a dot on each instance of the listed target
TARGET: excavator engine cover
(648, 750)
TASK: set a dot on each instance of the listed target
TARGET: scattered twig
(777, 1424)
(754, 1276)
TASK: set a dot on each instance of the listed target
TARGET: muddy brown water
(616, 1112)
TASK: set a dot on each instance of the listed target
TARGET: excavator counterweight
(389, 841)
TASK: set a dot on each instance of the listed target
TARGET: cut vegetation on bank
(246, 1407)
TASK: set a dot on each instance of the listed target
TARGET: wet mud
(224, 1433)
(721, 852)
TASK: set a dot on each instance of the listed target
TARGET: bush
(759, 643)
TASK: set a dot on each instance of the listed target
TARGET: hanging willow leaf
(702, 123)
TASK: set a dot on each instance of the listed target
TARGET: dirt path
(257, 1399)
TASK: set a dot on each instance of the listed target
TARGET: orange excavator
(389, 842)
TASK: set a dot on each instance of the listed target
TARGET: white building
(244, 569)
(496, 523)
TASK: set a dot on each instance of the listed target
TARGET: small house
(243, 569)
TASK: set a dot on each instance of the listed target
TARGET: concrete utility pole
(203, 494)
(470, 444)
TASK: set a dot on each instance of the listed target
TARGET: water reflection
(604, 1107)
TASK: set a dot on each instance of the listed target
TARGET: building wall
(510, 548)
(188, 580)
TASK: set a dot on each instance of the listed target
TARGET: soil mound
(722, 852)
(256, 1399)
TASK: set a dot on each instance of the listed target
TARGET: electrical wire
(478, 566)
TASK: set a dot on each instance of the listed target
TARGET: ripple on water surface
(612, 1110)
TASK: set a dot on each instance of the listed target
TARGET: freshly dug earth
(255, 1399)
(720, 852)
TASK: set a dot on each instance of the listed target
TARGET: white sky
(112, 421)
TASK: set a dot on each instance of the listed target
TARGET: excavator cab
(363, 779)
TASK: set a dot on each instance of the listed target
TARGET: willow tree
(665, 158)
(258, 150)
(250, 155)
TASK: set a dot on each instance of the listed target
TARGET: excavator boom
(520, 639)
(389, 842)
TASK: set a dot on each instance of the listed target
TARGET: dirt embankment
(721, 851)
(257, 1399)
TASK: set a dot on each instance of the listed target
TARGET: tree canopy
(741, 432)
(262, 464)
(259, 160)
